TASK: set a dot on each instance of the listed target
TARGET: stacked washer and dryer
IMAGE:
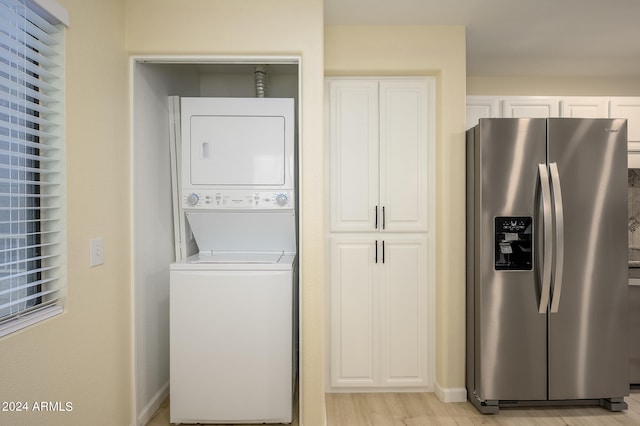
(233, 304)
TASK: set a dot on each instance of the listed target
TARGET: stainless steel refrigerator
(547, 285)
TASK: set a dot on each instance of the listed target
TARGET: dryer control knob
(193, 199)
(282, 199)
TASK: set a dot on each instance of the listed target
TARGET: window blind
(32, 160)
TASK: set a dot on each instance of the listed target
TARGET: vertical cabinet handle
(383, 219)
(376, 258)
(376, 218)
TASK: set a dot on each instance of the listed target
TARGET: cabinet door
(628, 108)
(406, 130)
(584, 107)
(481, 107)
(353, 314)
(353, 133)
(403, 309)
(531, 107)
(379, 312)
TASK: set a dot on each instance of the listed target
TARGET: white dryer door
(233, 150)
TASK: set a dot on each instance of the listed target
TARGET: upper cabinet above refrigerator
(628, 108)
(380, 133)
(584, 107)
(530, 107)
(552, 106)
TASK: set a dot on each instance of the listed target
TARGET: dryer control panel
(212, 199)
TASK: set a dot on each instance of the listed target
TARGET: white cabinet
(629, 108)
(380, 132)
(354, 144)
(531, 107)
(381, 212)
(566, 106)
(584, 107)
(481, 107)
(379, 319)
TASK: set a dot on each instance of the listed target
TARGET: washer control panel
(211, 199)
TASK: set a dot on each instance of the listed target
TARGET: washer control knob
(282, 199)
(193, 199)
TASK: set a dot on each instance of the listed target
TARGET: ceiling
(520, 37)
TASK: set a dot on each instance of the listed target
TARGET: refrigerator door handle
(559, 237)
(543, 175)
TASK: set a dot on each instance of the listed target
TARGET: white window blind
(32, 163)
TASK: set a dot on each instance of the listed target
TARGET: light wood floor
(424, 409)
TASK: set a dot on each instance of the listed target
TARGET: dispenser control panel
(513, 243)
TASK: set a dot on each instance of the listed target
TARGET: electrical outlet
(96, 252)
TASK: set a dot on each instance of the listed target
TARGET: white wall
(83, 356)
(152, 227)
(239, 80)
(553, 86)
(439, 52)
(256, 27)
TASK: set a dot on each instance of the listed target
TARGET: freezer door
(510, 334)
(588, 336)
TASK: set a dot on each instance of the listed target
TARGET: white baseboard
(450, 394)
(152, 406)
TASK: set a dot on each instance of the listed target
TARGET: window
(32, 162)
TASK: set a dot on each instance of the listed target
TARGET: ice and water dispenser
(513, 241)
